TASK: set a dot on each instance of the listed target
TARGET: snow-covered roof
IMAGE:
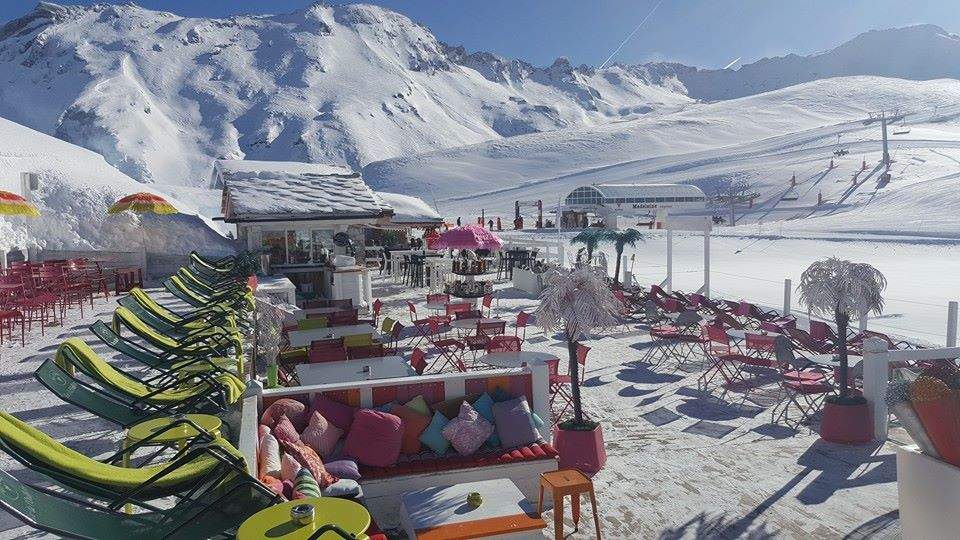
(616, 191)
(288, 191)
(410, 211)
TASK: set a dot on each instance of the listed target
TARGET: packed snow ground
(681, 464)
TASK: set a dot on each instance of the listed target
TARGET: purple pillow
(515, 423)
(374, 438)
(343, 468)
(335, 412)
(468, 430)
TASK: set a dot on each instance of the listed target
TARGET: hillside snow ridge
(160, 95)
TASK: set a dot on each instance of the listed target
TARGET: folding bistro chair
(485, 331)
(804, 389)
(418, 360)
(560, 383)
(450, 351)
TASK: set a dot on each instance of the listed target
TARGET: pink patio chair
(560, 382)
(504, 344)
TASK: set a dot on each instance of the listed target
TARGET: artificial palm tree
(620, 240)
(580, 302)
(590, 238)
(840, 289)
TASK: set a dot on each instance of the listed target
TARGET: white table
(470, 324)
(361, 369)
(326, 310)
(515, 359)
(443, 510)
(302, 338)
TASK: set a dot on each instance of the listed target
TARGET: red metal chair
(450, 350)
(334, 343)
(331, 354)
(487, 303)
(504, 344)
(421, 326)
(8, 320)
(468, 314)
(376, 307)
(366, 351)
(803, 388)
(418, 360)
(345, 303)
(484, 333)
(438, 298)
(560, 382)
(342, 318)
(523, 319)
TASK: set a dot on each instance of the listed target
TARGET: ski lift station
(644, 205)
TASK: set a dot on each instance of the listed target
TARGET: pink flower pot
(581, 450)
(846, 424)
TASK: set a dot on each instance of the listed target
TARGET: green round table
(275, 522)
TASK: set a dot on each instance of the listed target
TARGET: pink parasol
(469, 237)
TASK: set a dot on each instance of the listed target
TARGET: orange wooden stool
(567, 482)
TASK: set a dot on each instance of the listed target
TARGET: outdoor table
(176, 436)
(831, 360)
(442, 512)
(470, 324)
(326, 310)
(515, 359)
(302, 338)
(361, 369)
(274, 522)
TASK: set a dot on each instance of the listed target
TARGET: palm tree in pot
(620, 240)
(590, 238)
(840, 289)
(578, 302)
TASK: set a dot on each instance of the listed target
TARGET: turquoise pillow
(433, 435)
(484, 406)
(537, 422)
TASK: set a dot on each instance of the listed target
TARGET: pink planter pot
(846, 424)
(581, 450)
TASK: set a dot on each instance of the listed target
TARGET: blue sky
(706, 33)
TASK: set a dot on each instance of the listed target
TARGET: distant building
(640, 204)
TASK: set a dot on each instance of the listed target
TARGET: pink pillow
(468, 430)
(284, 430)
(307, 457)
(375, 438)
(289, 467)
(273, 483)
(293, 409)
(269, 456)
(321, 435)
(335, 412)
(261, 431)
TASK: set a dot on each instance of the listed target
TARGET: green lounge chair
(220, 390)
(222, 265)
(151, 359)
(183, 331)
(205, 465)
(217, 314)
(198, 344)
(217, 514)
(235, 302)
(210, 288)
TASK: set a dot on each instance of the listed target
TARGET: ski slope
(764, 139)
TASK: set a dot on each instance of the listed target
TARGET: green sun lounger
(217, 513)
(220, 389)
(204, 465)
(204, 343)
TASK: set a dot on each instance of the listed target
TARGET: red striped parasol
(143, 203)
(12, 204)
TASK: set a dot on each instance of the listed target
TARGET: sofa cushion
(284, 430)
(293, 409)
(321, 435)
(484, 406)
(269, 456)
(468, 431)
(429, 462)
(515, 422)
(344, 469)
(308, 458)
(374, 438)
(335, 412)
(289, 467)
(451, 408)
(433, 437)
(413, 425)
(419, 404)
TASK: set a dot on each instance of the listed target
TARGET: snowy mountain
(920, 52)
(160, 96)
(76, 188)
